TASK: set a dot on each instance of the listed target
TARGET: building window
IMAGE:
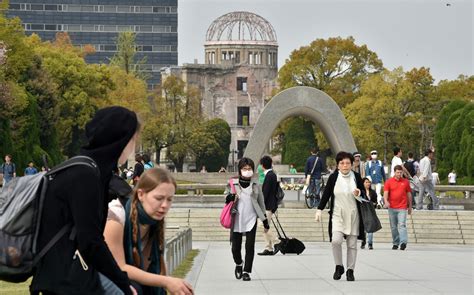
(237, 57)
(241, 146)
(243, 114)
(242, 84)
(250, 58)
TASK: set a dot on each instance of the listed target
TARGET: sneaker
(350, 275)
(395, 247)
(338, 272)
(362, 246)
(266, 253)
(370, 247)
(246, 276)
(403, 246)
(238, 272)
(276, 248)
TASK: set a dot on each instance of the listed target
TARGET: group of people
(113, 246)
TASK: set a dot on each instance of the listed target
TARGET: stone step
(440, 241)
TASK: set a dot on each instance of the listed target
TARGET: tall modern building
(98, 23)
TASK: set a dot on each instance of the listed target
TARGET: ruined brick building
(238, 75)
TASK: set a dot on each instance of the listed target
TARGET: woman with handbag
(248, 206)
(344, 186)
(369, 194)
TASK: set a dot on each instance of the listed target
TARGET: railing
(177, 248)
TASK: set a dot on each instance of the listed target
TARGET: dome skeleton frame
(246, 25)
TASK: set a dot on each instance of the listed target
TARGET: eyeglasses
(373, 153)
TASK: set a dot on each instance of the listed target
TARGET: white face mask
(373, 156)
(246, 173)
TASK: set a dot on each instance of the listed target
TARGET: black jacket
(269, 189)
(78, 196)
(328, 194)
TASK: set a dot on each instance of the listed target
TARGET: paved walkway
(421, 269)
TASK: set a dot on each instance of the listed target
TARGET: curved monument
(304, 101)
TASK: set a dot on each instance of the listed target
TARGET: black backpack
(280, 194)
(21, 207)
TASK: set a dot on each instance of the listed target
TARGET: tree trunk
(157, 155)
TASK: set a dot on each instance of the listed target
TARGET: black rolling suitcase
(287, 245)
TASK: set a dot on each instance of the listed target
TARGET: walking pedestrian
(8, 170)
(269, 189)
(147, 163)
(452, 177)
(138, 169)
(398, 200)
(369, 194)
(135, 234)
(342, 188)
(250, 207)
(31, 169)
(358, 165)
(80, 262)
(426, 183)
(313, 169)
(374, 170)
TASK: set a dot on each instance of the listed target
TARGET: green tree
(126, 58)
(299, 140)
(79, 86)
(336, 66)
(455, 140)
(184, 107)
(210, 144)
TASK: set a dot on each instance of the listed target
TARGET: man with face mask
(375, 172)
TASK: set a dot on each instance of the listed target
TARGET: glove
(229, 198)
(265, 224)
(317, 216)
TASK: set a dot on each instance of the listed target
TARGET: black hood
(108, 133)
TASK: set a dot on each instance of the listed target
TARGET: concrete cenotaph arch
(304, 101)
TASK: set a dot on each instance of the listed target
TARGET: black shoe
(246, 276)
(395, 247)
(238, 272)
(276, 248)
(350, 275)
(266, 253)
(370, 247)
(362, 246)
(338, 272)
(403, 246)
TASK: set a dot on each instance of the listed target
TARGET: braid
(160, 237)
(134, 222)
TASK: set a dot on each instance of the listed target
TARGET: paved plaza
(421, 269)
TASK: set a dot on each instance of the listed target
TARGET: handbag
(308, 177)
(229, 210)
(369, 216)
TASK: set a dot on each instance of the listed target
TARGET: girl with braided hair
(135, 234)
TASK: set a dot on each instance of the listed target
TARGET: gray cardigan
(257, 196)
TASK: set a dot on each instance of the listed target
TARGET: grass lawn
(22, 288)
(15, 288)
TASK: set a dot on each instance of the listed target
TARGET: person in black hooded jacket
(83, 264)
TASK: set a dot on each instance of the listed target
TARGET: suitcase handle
(276, 227)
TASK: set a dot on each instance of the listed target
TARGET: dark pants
(249, 248)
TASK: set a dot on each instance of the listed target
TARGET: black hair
(344, 155)
(244, 162)
(266, 162)
(410, 155)
(138, 158)
(398, 167)
(396, 150)
(366, 178)
(315, 150)
(428, 151)
(146, 158)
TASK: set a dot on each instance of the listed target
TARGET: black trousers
(249, 248)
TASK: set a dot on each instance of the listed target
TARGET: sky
(409, 33)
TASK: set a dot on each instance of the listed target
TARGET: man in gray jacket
(426, 183)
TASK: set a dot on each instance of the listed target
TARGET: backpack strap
(51, 243)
